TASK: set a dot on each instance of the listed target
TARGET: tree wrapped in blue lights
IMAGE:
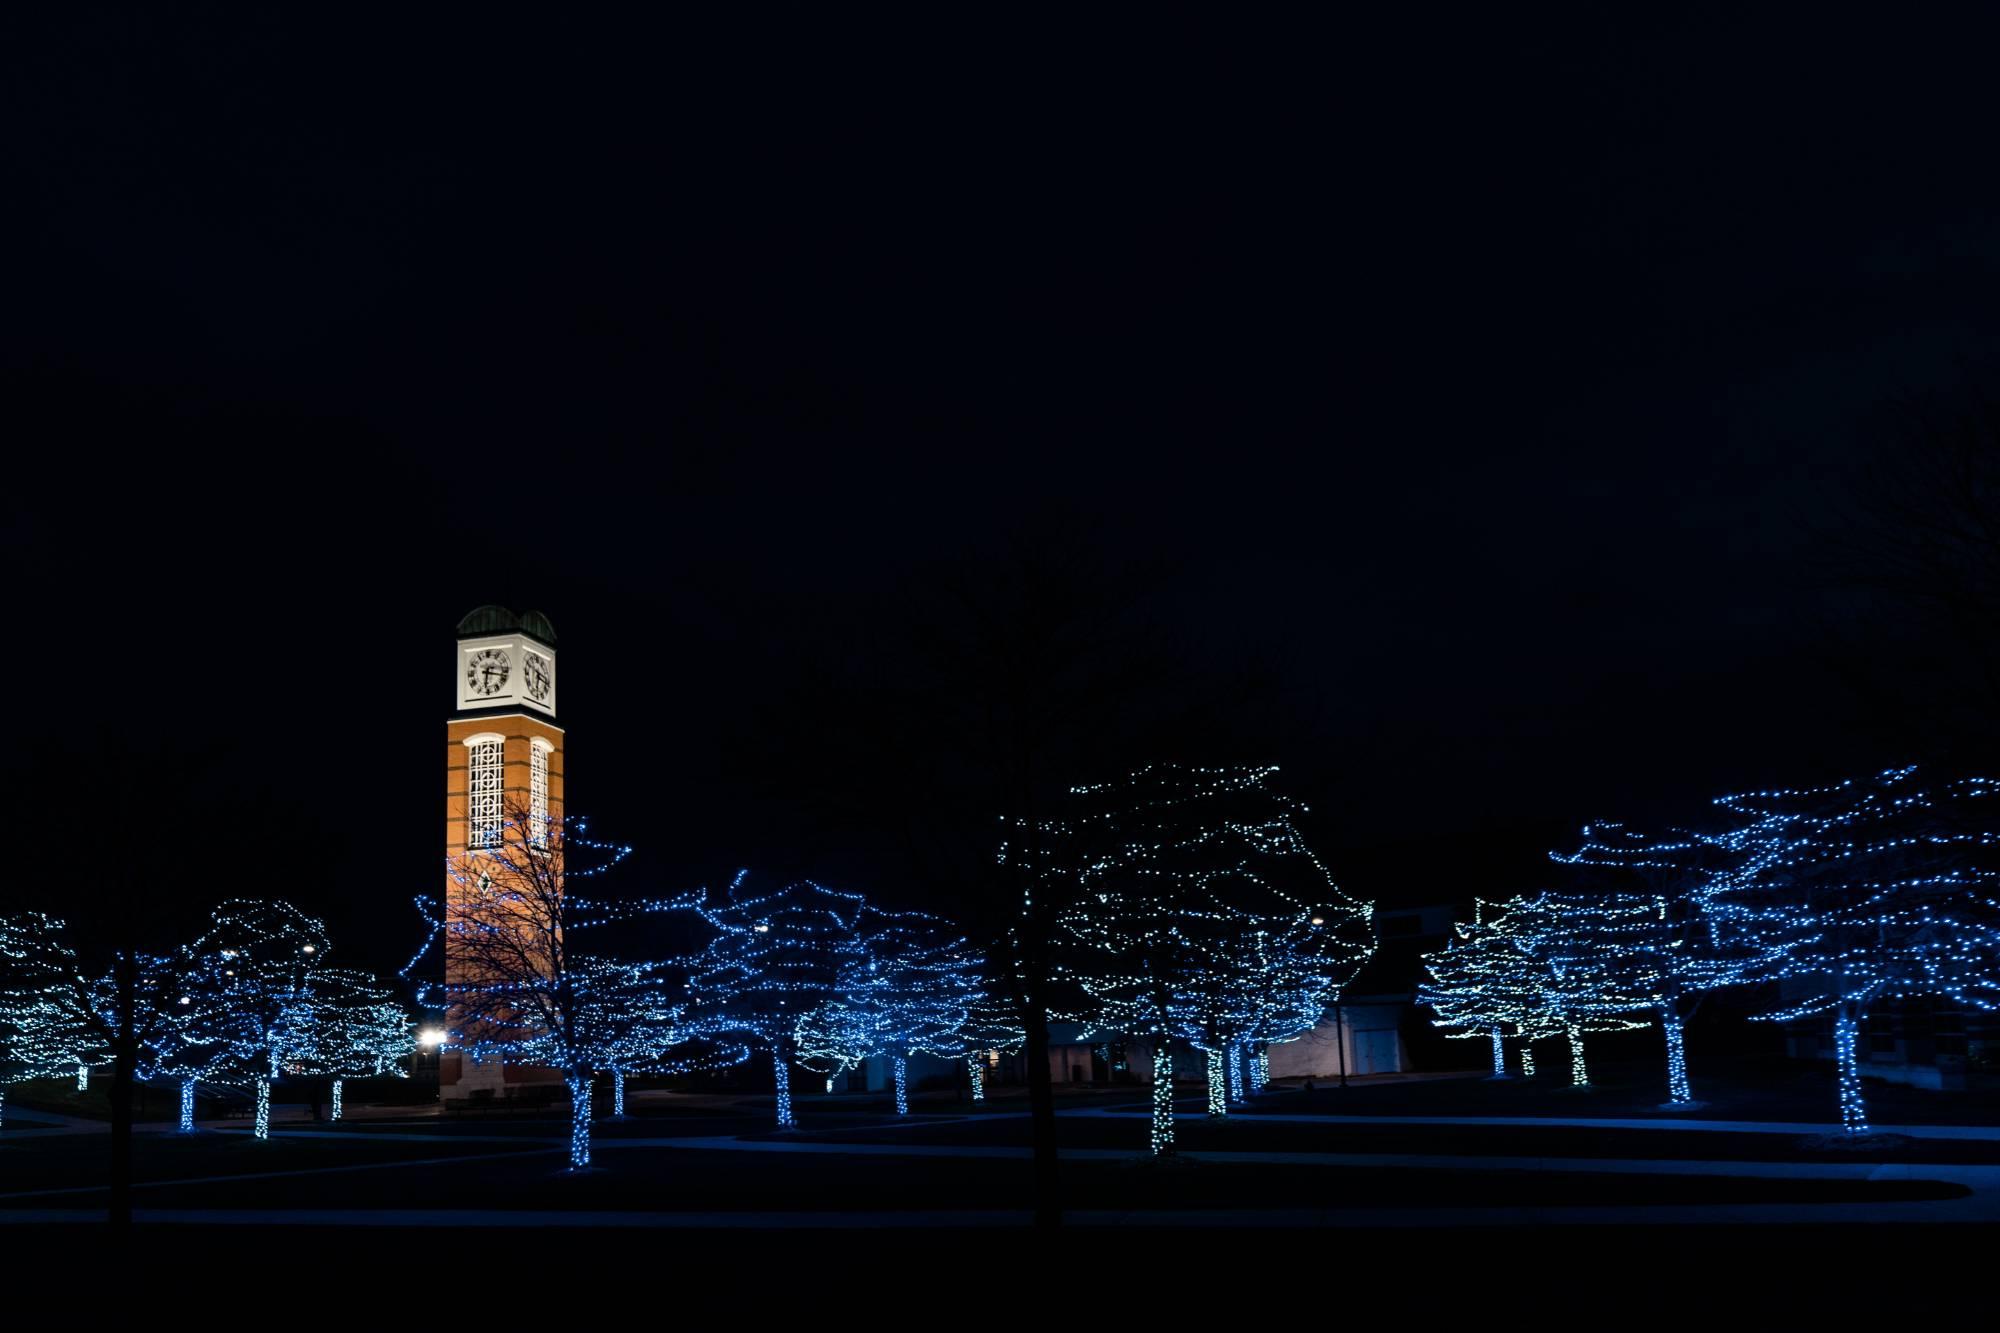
(643, 1021)
(204, 1039)
(908, 991)
(921, 989)
(253, 973)
(779, 959)
(1866, 892)
(810, 972)
(1668, 943)
(518, 990)
(357, 1030)
(1194, 911)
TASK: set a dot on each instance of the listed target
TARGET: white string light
(1191, 910)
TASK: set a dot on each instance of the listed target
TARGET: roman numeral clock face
(486, 672)
(537, 675)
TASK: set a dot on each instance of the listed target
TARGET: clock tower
(503, 753)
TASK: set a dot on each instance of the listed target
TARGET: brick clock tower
(503, 750)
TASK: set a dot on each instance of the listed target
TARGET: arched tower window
(538, 791)
(485, 791)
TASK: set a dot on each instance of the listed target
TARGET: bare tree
(517, 990)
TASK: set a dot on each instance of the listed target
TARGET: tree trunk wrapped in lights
(1846, 1038)
(1163, 1096)
(1579, 1073)
(1679, 1091)
(579, 1120)
(781, 1073)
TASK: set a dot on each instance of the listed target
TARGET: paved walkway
(1989, 1133)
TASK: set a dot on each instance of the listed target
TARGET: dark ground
(845, 1216)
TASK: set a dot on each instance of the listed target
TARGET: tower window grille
(538, 794)
(485, 811)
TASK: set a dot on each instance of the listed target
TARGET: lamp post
(428, 1056)
(1340, 1040)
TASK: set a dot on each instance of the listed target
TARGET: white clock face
(538, 674)
(486, 672)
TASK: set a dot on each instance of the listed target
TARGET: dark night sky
(1489, 391)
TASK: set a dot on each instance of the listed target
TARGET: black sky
(1489, 391)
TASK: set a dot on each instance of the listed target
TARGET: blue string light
(1860, 893)
(826, 979)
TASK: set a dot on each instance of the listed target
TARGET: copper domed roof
(499, 620)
